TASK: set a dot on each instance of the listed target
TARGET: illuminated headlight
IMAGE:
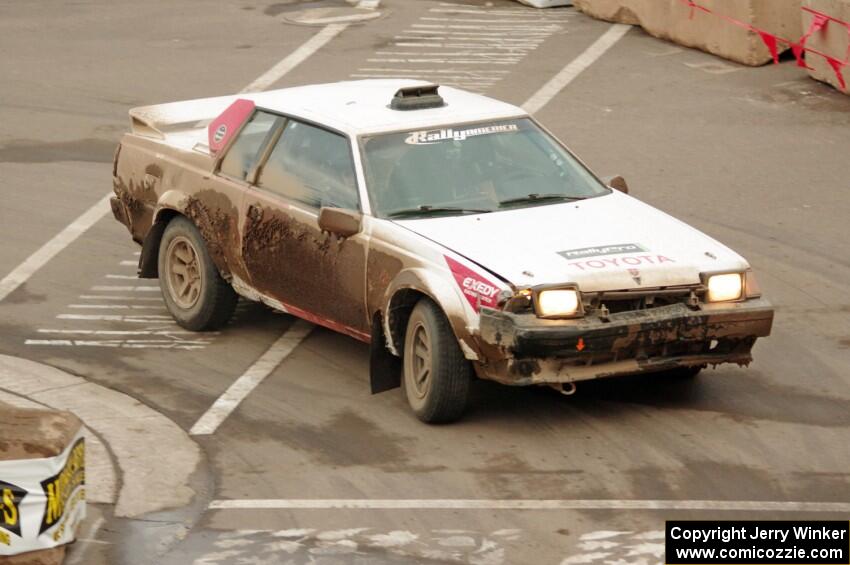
(729, 286)
(558, 303)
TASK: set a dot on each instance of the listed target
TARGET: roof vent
(417, 98)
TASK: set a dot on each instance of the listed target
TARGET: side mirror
(617, 182)
(338, 221)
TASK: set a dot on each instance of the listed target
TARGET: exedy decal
(602, 250)
(59, 488)
(477, 290)
(427, 137)
(10, 508)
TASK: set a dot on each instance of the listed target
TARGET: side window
(244, 151)
(313, 166)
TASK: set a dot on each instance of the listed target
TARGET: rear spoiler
(156, 120)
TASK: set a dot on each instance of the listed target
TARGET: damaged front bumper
(522, 349)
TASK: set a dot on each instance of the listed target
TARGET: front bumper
(521, 349)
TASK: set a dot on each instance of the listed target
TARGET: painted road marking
(295, 58)
(49, 250)
(256, 373)
(462, 46)
(527, 504)
(575, 67)
(606, 546)
(121, 332)
(114, 317)
(115, 324)
(21, 274)
(120, 297)
(125, 343)
(110, 288)
(116, 307)
(354, 544)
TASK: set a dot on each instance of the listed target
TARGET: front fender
(440, 288)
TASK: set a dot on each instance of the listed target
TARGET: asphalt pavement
(755, 157)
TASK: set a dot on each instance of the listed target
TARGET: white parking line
(114, 317)
(256, 373)
(295, 58)
(120, 297)
(121, 332)
(127, 344)
(115, 307)
(528, 504)
(48, 251)
(110, 288)
(574, 68)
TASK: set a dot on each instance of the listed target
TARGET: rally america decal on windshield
(477, 290)
(427, 137)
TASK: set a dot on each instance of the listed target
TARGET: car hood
(612, 242)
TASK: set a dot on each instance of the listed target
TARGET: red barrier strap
(837, 67)
(770, 42)
(826, 16)
(798, 48)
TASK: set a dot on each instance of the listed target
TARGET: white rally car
(450, 231)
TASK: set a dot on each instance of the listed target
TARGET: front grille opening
(630, 301)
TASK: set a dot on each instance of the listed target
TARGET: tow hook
(567, 389)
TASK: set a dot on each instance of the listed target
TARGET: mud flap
(384, 367)
(149, 257)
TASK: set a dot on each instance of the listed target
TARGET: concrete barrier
(676, 21)
(833, 40)
(42, 477)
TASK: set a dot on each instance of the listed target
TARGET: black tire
(442, 394)
(210, 302)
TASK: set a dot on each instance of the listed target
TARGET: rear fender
(170, 204)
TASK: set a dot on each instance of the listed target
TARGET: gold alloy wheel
(183, 272)
(421, 361)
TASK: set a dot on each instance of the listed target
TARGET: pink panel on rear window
(228, 123)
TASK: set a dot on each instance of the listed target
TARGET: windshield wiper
(425, 209)
(538, 197)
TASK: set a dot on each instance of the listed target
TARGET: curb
(156, 458)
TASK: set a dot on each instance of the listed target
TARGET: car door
(216, 208)
(316, 275)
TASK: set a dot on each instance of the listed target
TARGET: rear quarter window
(244, 152)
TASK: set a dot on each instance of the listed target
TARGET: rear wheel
(436, 374)
(194, 292)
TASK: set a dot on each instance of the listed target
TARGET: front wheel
(437, 376)
(195, 294)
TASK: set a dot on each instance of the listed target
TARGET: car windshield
(471, 169)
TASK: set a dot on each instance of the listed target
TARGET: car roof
(363, 106)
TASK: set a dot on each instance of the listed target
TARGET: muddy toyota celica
(450, 231)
